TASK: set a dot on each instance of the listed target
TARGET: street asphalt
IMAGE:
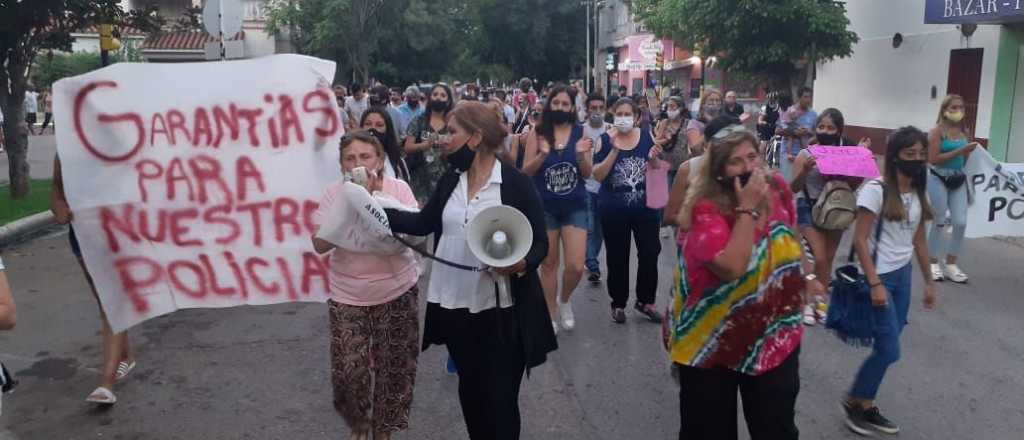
(262, 372)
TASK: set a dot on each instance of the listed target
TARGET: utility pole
(586, 75)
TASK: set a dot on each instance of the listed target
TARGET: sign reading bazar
(973, 11)
(194, 185)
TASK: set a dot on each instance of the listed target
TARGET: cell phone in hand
(360, 176)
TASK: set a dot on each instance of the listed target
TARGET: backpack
(836, 207)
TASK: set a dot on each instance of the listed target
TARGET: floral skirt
(373, 362)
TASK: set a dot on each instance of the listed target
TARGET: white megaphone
(500, 236)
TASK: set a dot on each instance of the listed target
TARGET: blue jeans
(949, 208)
(888, 322)
(594, 237)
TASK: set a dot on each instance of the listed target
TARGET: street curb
(12, 231)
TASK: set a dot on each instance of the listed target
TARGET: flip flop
(103, 396)
(123, 368)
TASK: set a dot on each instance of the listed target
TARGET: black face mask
(828, 139)
(914, 169)
(560, 117)
(462, 158)
(381, 137)
(437, 106)
(727, 182)
(413, 103)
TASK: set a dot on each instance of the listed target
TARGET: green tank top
(947, 145)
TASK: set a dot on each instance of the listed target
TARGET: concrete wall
(885, 87)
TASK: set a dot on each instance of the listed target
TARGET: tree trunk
(15, 129)
(17, 152)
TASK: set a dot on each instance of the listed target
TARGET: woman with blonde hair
(710, 108)
(735, 322)
(949, 146)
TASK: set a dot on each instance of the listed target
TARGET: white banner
(194, 185)
(998, 190)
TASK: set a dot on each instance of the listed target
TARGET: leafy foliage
(772, 40)
(426, 40)
(30, 27)
(52, 67)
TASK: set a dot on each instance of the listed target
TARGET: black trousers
(490, 372)
(617, 233)
(707, 402)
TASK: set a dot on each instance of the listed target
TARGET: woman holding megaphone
(492, 342)
(373, 307)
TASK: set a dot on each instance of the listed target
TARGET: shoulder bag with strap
(851, 315)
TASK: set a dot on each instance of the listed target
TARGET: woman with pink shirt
(373, 310)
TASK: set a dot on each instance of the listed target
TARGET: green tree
(422, 43)
(52, 67)
(544, 39)
(424, 40)
(26, 29)
(778, 41)
(347, 31)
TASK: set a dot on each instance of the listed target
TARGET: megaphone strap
(438, 259)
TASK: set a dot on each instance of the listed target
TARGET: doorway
(965, 80)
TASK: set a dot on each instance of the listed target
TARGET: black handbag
(851, 315)
(953, 181)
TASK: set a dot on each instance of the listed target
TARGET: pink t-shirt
(364, 279)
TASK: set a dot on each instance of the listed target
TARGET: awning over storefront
(973, 11)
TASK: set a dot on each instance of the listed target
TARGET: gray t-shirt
(814, 183)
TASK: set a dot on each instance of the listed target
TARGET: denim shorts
(803, 211)
(566, 217)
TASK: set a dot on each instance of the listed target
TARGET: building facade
(624, 44)
(191, 45)
(912, 54)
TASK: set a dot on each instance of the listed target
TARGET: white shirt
(454, 288)
(896, 244)
(592, 184)
(31, 102)
(510, 114)
(357, 108)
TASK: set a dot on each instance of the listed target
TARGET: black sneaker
(619, 316)
(877, 421)
(855, 419)
(649, 311)
(594, 278)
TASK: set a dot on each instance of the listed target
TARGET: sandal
(123, 368)
(103, 396)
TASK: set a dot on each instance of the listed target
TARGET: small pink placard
(852, 161)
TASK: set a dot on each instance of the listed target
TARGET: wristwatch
(753, 212)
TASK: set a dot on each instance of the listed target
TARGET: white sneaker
(809, 318)
(568, 320)
(954, 274)
(937, 272)
(554, 326)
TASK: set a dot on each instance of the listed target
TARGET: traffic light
(107, 40)
(659, 60)
(610, 62)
